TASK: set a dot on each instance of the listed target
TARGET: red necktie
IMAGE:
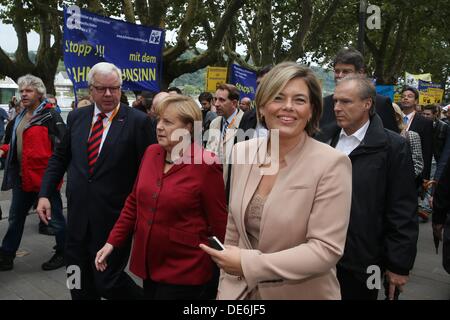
(94, 141)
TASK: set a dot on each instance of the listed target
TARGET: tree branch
(176, 68)
(156, 12)
(183, 33)
(398, 43)
(7, 66)
(266, 32)
(371, 45)
(297, 47)
(19, 25)
(142, 12)
(128, 11)
(252, 38)
(322, 23)
(235, 56)
(206, 28)
(95, 6)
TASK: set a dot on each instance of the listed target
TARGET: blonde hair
(398, 116)
(186, 108)
(277, 78)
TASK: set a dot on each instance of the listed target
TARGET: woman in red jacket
(178, 200)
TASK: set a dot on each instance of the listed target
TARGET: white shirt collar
(410, 116)
(97, 111)
(230, 118)
(359, 134)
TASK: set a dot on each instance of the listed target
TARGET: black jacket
(98, 199)
(248, 120)
(383, 107)
(440, 129)
(441, 213)
(383, 226)
(424, 127)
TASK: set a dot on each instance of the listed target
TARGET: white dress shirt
(229, 120)
(106, 124)
(348, 143)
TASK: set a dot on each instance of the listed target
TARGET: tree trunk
(157, 13)
(266, 33)
(175, 68)
(298, 42)
(128, 10)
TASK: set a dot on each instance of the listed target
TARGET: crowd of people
(308, 194)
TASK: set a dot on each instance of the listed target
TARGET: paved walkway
(428, 281)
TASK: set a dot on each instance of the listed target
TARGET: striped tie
(94, 141)
(225, 128)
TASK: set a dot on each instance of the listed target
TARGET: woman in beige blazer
(290, 199)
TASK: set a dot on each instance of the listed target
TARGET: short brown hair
(277, 78)
(233, 92)
(432, 107)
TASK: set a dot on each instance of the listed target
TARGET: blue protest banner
(135, 49)
(386, 90)
(425, 85)
(245, 81)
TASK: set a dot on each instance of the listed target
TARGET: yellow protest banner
(413, 79)
(429, 92)
(215, 76)
(432, 95)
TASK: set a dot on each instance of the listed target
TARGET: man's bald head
(245, 104)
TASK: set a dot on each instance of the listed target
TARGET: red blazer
(171, 214)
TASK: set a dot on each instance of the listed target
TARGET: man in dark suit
(441, 215)
(347, 62)
(421, 125)
(383, 226)
(101, 151)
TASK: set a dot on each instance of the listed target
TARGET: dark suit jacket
(424, 127)
(98, 199)
(383, 227)
(383, 107)
(441, 213)
(248, 120)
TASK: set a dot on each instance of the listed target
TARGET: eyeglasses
(102, 90)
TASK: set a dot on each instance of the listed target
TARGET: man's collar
(410, 115)
(358, 134)
(230, 118)
(108, 115)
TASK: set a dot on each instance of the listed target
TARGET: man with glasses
(349, 61)
(101, 152)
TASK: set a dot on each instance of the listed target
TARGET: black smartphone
(215, 243)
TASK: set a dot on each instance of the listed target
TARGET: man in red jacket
(37, 130)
